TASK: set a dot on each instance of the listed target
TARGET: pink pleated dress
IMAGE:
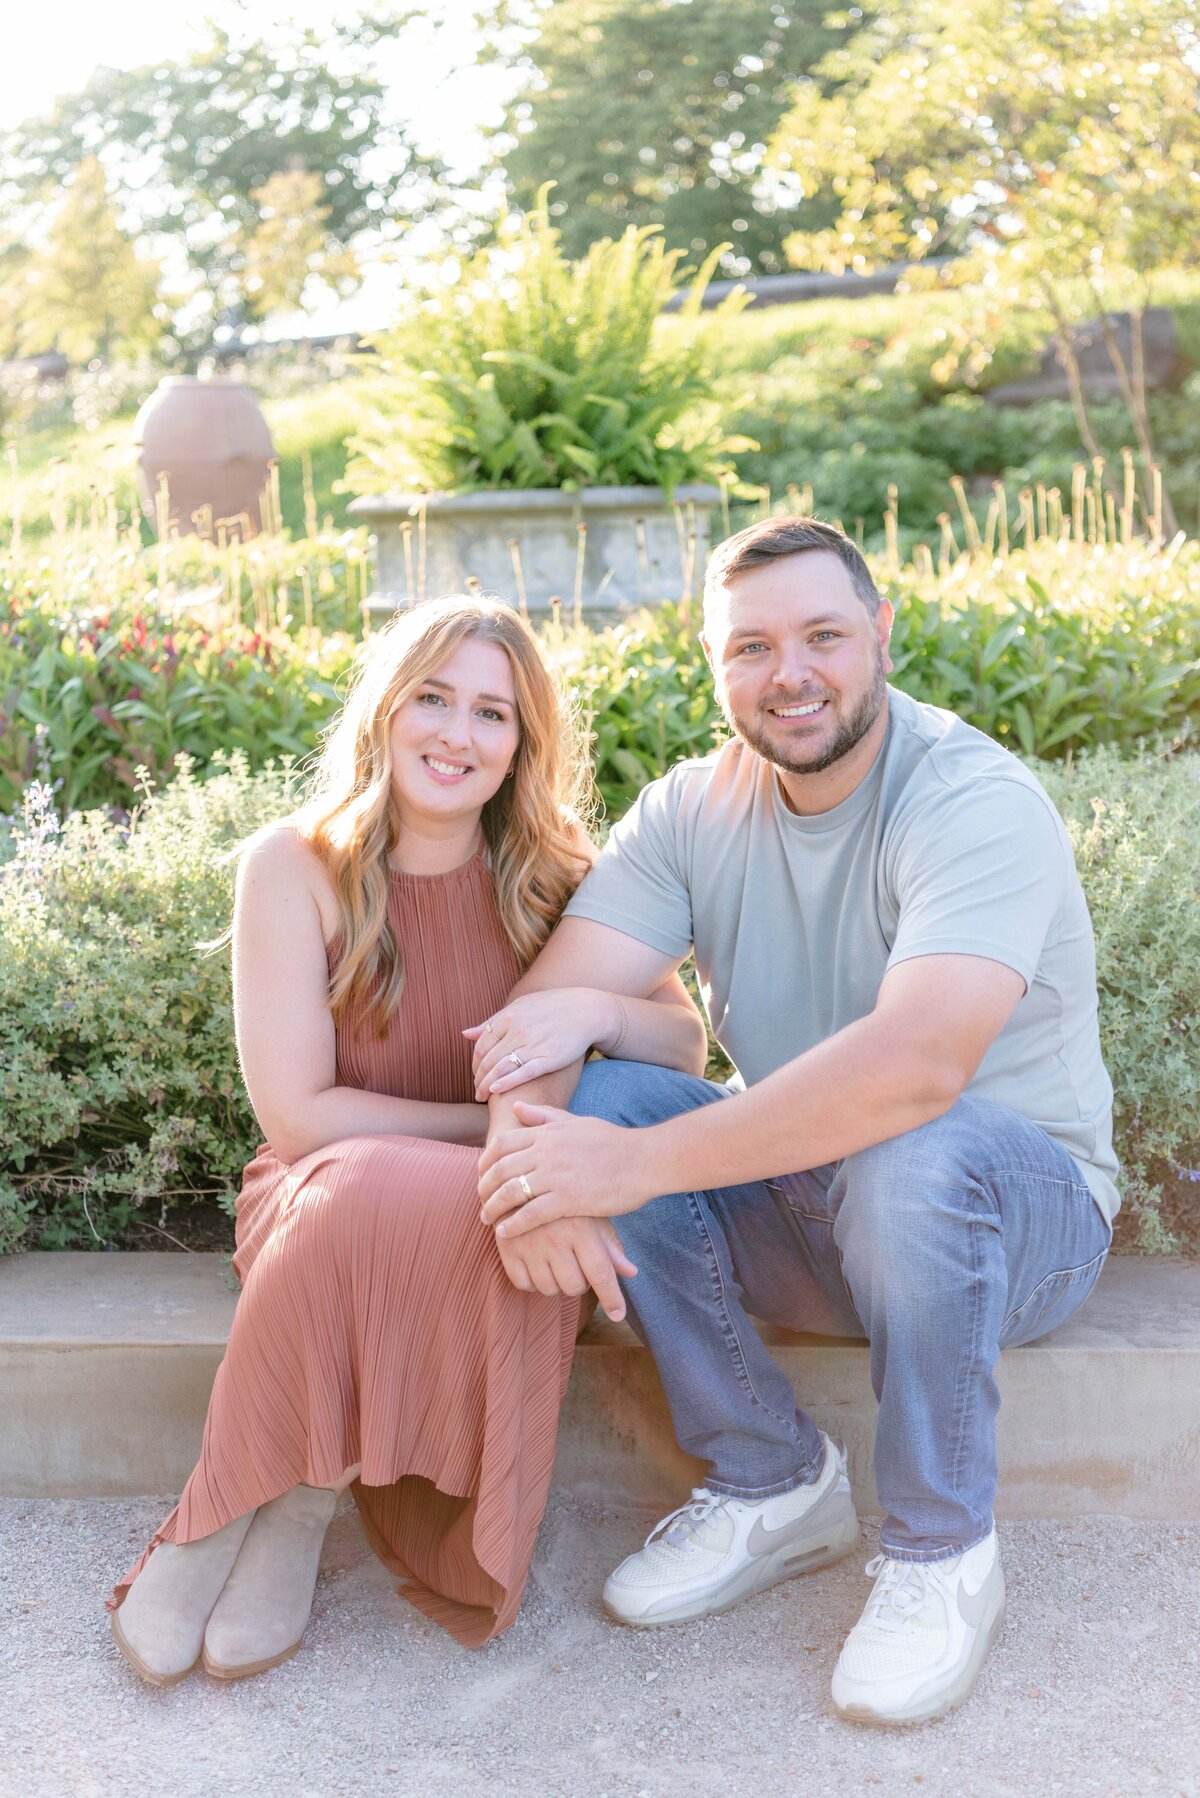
(376, 1323)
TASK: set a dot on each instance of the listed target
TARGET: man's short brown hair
(772, 538)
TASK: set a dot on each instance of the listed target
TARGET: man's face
(800, 663)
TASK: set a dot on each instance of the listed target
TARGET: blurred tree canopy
(1057, 142)
(90, 293)
(659, 112)
(192, 147)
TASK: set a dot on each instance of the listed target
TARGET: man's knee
(637, 1093)
(897, 1191)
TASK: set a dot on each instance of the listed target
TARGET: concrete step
(106, 1362)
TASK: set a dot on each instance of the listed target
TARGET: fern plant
(517, 368)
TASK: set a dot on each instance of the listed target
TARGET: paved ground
(1094, 1687)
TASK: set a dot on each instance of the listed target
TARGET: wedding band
(514, 1058)
(526, 1188)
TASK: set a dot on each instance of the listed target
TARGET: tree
(91, 293)
(16, 296)
(1057, 142)
(658, 112)
(291, 243)
(188, 145)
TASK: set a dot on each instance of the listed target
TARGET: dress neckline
(447, 874)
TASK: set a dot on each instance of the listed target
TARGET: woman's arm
(284, 910)
(550, 1030)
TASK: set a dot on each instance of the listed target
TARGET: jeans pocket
(809, 1195)
(1052, 1301)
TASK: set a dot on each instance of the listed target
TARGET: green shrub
(1051, 652)
(1135, 826)
(120, 1095)
(119, 1086)
(1063, 649)
(88, 701)
(521, 369)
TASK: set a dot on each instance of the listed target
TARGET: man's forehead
(788, 590)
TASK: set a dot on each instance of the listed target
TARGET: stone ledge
(106, 1363)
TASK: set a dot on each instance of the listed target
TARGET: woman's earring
(512, 772)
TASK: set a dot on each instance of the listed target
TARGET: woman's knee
(637, 1093)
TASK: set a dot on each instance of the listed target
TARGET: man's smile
(808, 710)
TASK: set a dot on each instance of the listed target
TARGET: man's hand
(569, 1257)
(557, 1166)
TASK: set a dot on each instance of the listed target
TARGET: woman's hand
(539, 1033)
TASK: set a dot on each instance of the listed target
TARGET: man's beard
(850, 730)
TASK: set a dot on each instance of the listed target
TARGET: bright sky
(53, 48)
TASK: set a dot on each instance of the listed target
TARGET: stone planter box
(606, 548)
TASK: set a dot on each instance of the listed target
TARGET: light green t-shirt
(948, 847)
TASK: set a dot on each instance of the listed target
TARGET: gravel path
(1094, 1687)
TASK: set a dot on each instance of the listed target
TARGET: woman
(377, 1342)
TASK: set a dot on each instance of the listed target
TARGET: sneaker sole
(759, 1576)
(939, 1705)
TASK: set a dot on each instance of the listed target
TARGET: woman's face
(454, 737)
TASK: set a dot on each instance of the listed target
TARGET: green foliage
(119, 1085)
(1079, 161)
(1051, 652)
(521, 369)
(102, 698)
(1063, 134)
(1065, 650)
(1135, 827)
(848, 399)
(89, 697)
(644, 692)
(645, 112)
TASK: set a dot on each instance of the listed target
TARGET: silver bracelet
(623, 1032)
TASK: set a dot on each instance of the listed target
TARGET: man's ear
(884, 619)
(706, 646)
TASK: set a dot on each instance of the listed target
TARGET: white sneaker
(714, 1551)
(919, 1646)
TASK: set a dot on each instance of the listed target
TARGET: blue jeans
(941, 1246)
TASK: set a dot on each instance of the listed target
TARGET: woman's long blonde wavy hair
(532, 823)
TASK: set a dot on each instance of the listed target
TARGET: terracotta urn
(204, 457)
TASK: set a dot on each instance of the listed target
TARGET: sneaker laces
(900, 1592)
(687, 1519)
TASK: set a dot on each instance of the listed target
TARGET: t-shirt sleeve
(639, 885)
(981, 871)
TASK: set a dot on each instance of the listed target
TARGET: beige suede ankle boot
(260, 1617)
(160, 1626)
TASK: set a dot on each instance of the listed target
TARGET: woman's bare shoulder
(279, 859)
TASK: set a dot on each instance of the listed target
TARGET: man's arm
(900, 1067)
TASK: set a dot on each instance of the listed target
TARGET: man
(895, 951)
